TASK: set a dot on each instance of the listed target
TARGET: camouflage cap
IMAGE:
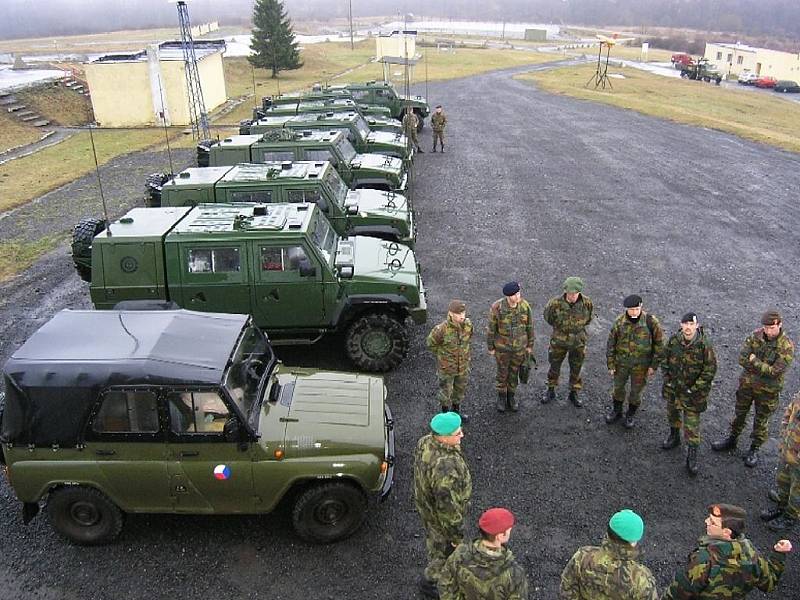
(733, 517)
(496, 520)
(456, 306)
(446, 423)
(573, 284)
(771, 317)
(627, 525)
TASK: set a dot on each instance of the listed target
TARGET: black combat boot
(457, 409)
(673, 440)
(434, 149)
(774, 496)
(782, 524)
(727, 443)
(445, 409)
(751, 460)
(691, 460)
(573, 397)
(549, 396)
(630, 422)
(442, 146)
(615, 413)
(513, 403)
(771, 513)
(501, 402)
(421, 151)
(428, 588)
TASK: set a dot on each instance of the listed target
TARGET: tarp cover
(55, 378)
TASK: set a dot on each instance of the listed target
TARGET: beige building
(149, 87)
(733, 59)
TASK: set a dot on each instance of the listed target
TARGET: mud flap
(29, 511)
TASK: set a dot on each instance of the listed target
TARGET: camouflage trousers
(411, 134)
(452, 389)
(438, 135)
(638, 377)
(686, 419)
(575, 357)
(439, 548)
(508, 364)
(765, 404)
(788, 480)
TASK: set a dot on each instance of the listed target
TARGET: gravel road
(534, 187)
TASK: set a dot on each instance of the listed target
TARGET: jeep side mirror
(307, 269)
(231, 430)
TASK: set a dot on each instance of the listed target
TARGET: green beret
(446, 423)
(573, 284)
(627, 525)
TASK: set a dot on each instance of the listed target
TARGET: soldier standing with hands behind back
(438, 123)
(450, 343)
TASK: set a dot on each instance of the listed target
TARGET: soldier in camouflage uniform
(438, 123)
(442, 489)
(485, 568)
(510, 340)
(449, 341)
(410, 123)
(786, 516)
(765, 358)
(688, 367)
(725, 565)
(569, 314)
(633, 351)
(610, 571)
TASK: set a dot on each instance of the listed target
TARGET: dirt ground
(532, 187)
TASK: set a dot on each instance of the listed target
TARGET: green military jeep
(173, 411)
(377, 171)
(306, 105)
(351, 212)
(317, 95)
(357, 129)
(282, 263)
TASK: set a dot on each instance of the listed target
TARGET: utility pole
(197, 107)
(352, 45)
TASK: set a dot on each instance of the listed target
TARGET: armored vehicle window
(359, 94)
(363, 127)
(214, 260)
(322, 155)
(337, 185)
(346, 149)
(276, 155)
(262, 196)
(197, 412)
(127, 412)
(324, 238)
(281, 259)
(382, 94)
(310, 196)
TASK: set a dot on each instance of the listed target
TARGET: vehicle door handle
(198, 297)
(190, 453)
(273, 295)
(105, 452)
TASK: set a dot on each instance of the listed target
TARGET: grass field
(763, 118)
(16, 256)
(58, 104)
(13, 133)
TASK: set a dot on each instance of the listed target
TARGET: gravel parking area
(532, 187)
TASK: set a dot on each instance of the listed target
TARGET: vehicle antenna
(426, 72)
(164, 122)
(99, 183)
(253, 69)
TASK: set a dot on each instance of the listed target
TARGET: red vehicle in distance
(766, 82)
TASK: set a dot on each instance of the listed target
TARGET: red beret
(496, 520)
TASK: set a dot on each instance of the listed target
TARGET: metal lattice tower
(197, 107)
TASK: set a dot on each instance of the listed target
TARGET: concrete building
(397, 48)
(149, 87)
(733, 59)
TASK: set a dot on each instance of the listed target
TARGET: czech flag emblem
(222, 472)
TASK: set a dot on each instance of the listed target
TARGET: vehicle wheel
(377, 342)
(82, 237)
(329, 512)
(84, 515)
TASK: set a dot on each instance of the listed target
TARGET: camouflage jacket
(510, 329)
(409, 122)
(720, 569)
(607, 572)
(442, 487)
(773, 358)
(474, 572)
(438, 121)
(635, 344)
(790, 432)
(688, 370)
(450, 341)
(569, 321)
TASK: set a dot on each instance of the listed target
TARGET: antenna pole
(99, 182)
(164, 121)
(352, 45)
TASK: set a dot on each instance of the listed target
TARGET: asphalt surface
(533, 187)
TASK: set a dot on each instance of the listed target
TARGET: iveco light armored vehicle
(377, 171)
(174, 411)
(317, 94)
(303, 106)
(382, 93)
(351, 212)
(282, 263)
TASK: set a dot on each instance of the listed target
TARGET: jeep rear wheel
(377, 342)
(329, 512)
(82, 237)
(84, 515)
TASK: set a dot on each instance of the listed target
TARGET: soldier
(765, 358)
(688, 368)
(569, 314)
(438, 123)
(725, 564)
(610, 571)
(633, 351)
(410, 123)
(449, 341)
(786, 515)
(485, 568)
(442, 489)
(510, 339)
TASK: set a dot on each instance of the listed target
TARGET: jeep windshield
(346, 149)
(362, 126)
(251, 364)
(337, 186)
(324, 238)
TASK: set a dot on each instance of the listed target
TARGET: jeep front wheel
(377, 342)
(82, 237)
(84, 515)
(329, 512)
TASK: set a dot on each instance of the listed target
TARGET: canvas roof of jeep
(56, 376)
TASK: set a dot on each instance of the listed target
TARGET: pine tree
(273, 39)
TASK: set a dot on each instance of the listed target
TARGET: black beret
(689, 317)
(511, 288)
(632, 301)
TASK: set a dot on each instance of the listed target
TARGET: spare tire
(82, 237)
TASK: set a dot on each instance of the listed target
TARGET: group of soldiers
(725, 565)
(410, 124)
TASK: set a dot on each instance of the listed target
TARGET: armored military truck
(382, 93)
(308, 105)
(377, 171)
(174, 411)
(351, 212)
(314, 95)
(282, 263)
(358, 131)
(701, 70)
